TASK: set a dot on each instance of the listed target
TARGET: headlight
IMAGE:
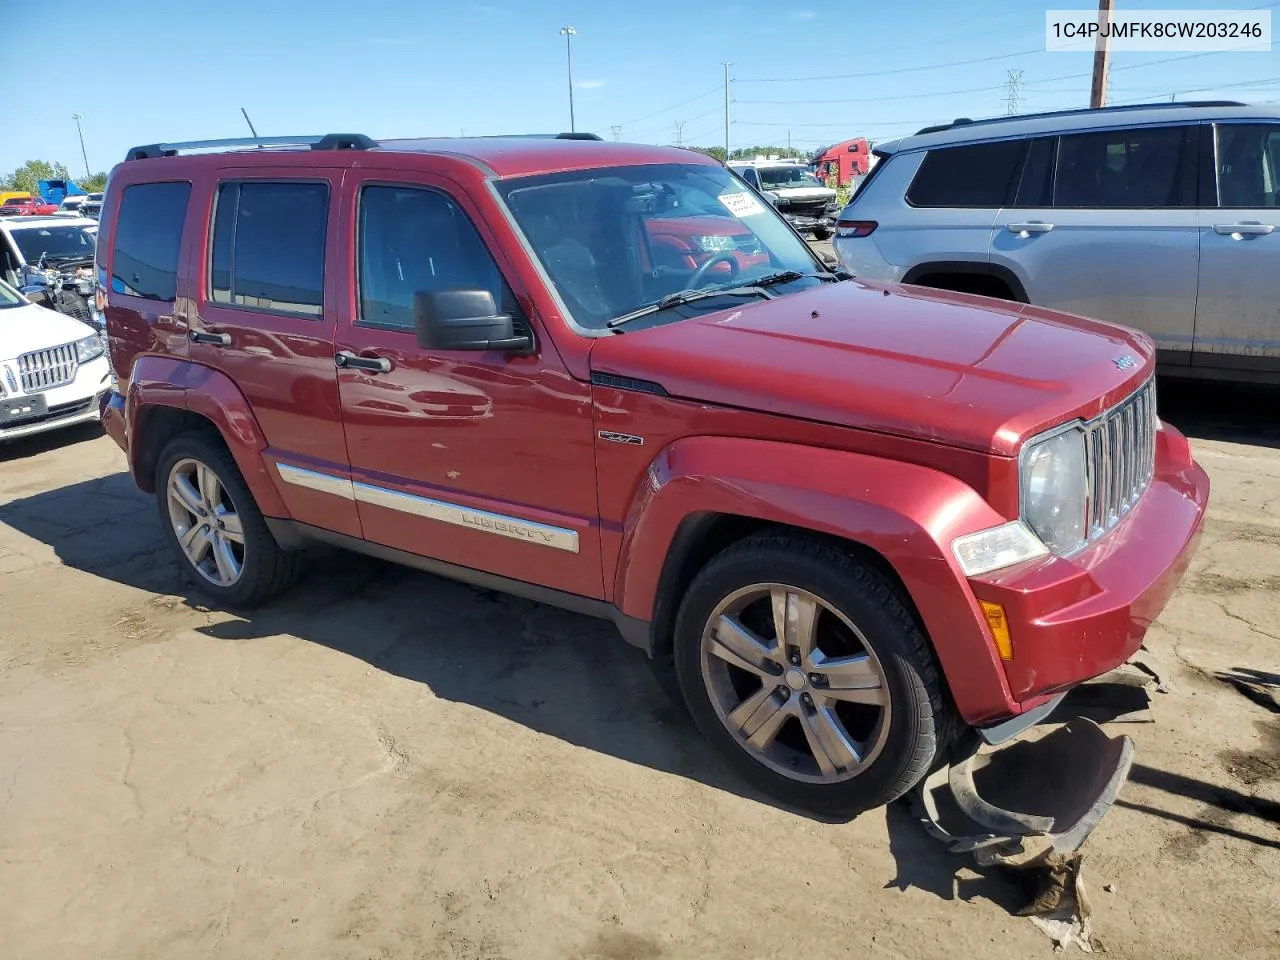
(713, 244)
(89, 348)
(1054, 482)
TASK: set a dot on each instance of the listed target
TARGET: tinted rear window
(982, 175)
(268, 246)
(1127, 169)
(144, 261)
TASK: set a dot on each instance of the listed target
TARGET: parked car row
(1164, 218)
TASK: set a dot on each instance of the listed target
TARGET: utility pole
(77, 118)
(616, 129)
(568, 34)
(679, 125)
(1101, 57)
(248, 121)
(1013, 93)
(726, 65)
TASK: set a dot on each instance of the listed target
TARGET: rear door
(264, 315)
(1105, 226)
(952, 202)
(1238, 309)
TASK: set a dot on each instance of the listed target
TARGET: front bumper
(804, 222)
(66, 406)
(1077, 618)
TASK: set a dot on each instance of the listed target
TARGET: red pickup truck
(27, 207)
(849, 521)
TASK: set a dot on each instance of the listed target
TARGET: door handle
(1033, 226)
(1243, 229)
(215, 339)
(350, 361)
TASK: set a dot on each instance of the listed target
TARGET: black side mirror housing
(465, 318)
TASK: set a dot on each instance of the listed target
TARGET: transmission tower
(679, 125)
(617, 131)
(1013, 93)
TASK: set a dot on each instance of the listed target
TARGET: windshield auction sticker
(741, 204)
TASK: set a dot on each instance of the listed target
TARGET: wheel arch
(168, 397)
(970, 271)
(707, 492)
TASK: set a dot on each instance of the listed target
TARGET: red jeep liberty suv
(849, 520)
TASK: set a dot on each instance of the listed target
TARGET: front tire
(805, 670)
(822, 233)
(215, 528)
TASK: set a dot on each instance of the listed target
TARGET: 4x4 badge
(629, 438)
(1124, 362)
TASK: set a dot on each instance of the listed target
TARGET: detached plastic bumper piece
(1029, 803)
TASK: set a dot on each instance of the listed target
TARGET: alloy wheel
(205, 522)
(796, 683)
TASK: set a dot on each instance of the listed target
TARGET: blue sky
(176, 69)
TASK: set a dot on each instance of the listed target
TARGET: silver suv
(1160, 217)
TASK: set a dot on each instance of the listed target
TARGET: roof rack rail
(327, 141)
(544, 136)
(1082, 111)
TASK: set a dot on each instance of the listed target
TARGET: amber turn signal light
(999, 625)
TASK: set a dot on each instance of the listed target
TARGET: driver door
(477, 458)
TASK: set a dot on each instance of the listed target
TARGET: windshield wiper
(681, 297)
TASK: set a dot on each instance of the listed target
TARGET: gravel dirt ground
(388, 765)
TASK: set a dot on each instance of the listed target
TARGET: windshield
(17, 201)
(9, 296)
(773, 177)
(614, 240)
(53, 242)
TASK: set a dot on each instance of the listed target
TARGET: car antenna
(250, 123)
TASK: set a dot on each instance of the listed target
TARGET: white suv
(53, 369)
(1162, 217)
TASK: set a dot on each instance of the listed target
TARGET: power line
(665, 127)
(674, 106)
(887, 73)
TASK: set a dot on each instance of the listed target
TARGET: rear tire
(848, 712)
(822, 233)
(217, 532)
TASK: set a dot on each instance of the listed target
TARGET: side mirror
(465, 319)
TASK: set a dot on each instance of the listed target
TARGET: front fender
(163, 382)
(906, 513)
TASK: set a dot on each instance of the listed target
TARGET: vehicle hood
(29, 327)
(926, 364)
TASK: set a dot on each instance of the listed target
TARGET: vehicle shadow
(1232, 412)
(36, 444)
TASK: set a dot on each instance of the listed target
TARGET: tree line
(28, 176)
(750, 153)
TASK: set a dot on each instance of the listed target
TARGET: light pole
(568, 34)
(76, 117)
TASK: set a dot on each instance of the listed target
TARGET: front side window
(617, 239)
(1134, 169)
(982, 175)
(1249, 165)
(9, 297)
(144, 262)
(268, 246)
(414, 239)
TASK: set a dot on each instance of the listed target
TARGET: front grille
(1121, 449)
(807, 208)
(46, 369)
